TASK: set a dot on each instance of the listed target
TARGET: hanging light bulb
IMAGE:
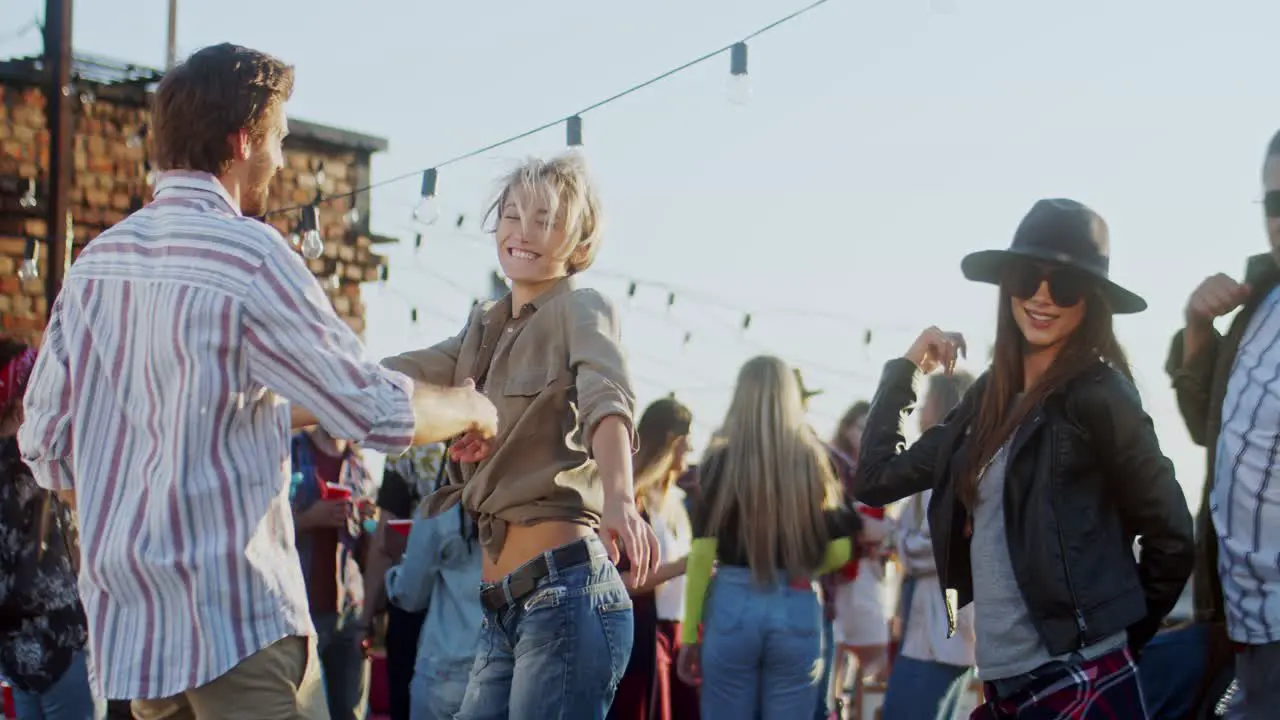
(28, 199)
(150, 173)
(353, 215)
(87, 96)
(295, 239)
(135, 140)
(428, 209)
(30, 268)
(312, 244)
(739, 82)
(573, 133)
(335, 282)
(746, 322)
(319, 174)
(417, 241)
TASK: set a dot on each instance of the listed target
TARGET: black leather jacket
(1085, 476)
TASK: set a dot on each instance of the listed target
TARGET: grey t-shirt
(1007, 644)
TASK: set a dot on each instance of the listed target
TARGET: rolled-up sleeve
(45, 435)
(300, 348)
(596, 359)
(435, 365)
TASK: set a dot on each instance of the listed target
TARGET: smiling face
(532, 243)
(1047, 302)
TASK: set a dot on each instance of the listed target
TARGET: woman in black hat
(1042, 478)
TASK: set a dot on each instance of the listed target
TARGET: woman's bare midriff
(525, 542)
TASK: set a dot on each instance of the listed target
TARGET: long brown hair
(663, 423)
(998, 417)
(774, 477)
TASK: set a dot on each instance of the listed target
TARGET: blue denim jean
(346, 670)
(68, 698)
(1170, 670)
(437, 691)
(761, 649)
(924, 689)
(822, 711)
(559, 652)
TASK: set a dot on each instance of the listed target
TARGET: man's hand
(621, 524)
(443, 413)
(324, 515)
(1216, 296)
(393, 544)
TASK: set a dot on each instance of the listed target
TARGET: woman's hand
(689, 664)
(935, 348)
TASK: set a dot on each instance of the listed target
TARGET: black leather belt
(525, 579)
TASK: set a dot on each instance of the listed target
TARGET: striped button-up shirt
(1245, 499)
(161, 397)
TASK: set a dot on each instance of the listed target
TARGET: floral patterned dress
(42, 623)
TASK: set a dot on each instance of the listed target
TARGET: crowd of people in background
(187, 522)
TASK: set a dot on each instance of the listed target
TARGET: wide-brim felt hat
(1059, 232)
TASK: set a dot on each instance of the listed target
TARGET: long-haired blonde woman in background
(769, 509)
(650, 689)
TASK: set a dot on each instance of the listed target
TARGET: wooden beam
(59, 93)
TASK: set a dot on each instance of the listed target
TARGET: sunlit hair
(998, 416)
(664, 423)
(772, 475)
(851, 417)
(564, 186)
(945, 391)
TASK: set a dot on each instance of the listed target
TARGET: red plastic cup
(9, 710)
(401, 526)
(336, 491)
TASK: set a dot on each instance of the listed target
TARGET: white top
(671, 524)
(926, 620)
(1245, 500)
(862, 606)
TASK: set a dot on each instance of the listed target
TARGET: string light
(417, 241)
(30, 268)
(312, 244)
(28, 199)
(335, 281)
(746, 322)
(353, 215)
(135, 140)
(671, 300)
(573, 132)
(319, 174)
(428, 209)
(737, 62)
(413, 315)
(739, 86)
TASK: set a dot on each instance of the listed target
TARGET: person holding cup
(331, 503)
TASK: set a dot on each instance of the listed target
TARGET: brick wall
(110, 180)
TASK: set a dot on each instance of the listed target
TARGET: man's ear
(240, 144)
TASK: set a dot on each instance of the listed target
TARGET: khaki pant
(279, 682)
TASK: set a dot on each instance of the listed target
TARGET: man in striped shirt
(161, 404)
(1228, 391)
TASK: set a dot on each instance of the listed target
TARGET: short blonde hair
(565, 185)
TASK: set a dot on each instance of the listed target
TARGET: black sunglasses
(1067, 286)
(1271, 203)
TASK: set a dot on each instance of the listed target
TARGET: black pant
(403, 629)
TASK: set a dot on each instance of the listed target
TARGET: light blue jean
(761, 649)
(67, 699)
(560, 652)
(437, 690)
